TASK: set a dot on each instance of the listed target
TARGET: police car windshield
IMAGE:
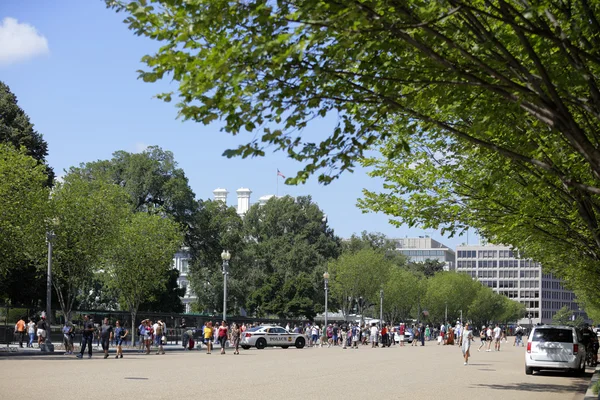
(256, 328)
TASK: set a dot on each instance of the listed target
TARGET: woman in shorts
(120, 336)
(208, 336)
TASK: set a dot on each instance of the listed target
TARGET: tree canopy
(24, 210)
(17, 129)
(486, 112)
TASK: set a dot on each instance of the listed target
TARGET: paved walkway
(310, 373)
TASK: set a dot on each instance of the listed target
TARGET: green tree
(287, 241)
(564, 316)
(427, 268)
(506, 93)
(24, 209)
(401, 294)
(167, 297)
(86, 217)
(16, 129)
(451, 290)
(487, 306)
(139, 261)
(151, 178)
(512, 310)
(357, 278)
(217, 227)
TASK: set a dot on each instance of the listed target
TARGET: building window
(184, 266)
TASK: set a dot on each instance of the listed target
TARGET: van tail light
(248, 334)
(529, 347)
(575, 349)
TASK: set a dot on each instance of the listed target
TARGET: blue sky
(79, 86)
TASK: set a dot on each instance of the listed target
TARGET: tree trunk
(133, 327)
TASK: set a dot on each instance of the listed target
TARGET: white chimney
(221, 195)
(243, 196)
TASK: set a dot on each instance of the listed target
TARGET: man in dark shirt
(87, 336)
(106, 335)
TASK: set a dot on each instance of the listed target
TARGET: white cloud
(140, 147)
(19, 42)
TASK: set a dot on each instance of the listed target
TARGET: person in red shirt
(384, 336)
(222, 334)
(402, 332)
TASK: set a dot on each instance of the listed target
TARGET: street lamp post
(446, 314)
(225, 256)
(50, 236)
(380, 308)
(461, 321)
(326, 280)
(530, 324)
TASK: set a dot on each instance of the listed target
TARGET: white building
(182, 257)
(425, 248)
(181, 261)
(519, 279)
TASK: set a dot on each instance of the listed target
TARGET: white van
(555, 347)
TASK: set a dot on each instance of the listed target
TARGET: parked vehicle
(555, 347)
(263, 336)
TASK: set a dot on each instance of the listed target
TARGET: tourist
(489, 337)
(87, 336)
(31, 331)
(106, 335)
(465, 342)
(482, 336)
(142, 331)
(315, 335)
(43, 329)
(518, 336)
(222, 334)
(120, 336)
(208, 336)
(67, 331)
(401, 333)
(355, 332)
(374, 335)
(159, 332)
(497, 337)
(235, 338)
(20, 331)
(149, 336)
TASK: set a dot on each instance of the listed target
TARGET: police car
(263, 336)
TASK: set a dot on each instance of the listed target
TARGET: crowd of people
(224, 335)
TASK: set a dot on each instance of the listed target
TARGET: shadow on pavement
(579, 386)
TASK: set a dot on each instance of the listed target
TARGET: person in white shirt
(488, 337)
(30, 332)
(497, 336)
(374, 335)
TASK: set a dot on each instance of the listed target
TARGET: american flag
(280, 174)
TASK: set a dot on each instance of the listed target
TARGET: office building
(425, 248)
(519, 279)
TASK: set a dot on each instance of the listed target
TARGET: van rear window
(553, 335)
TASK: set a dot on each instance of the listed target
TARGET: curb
(589, 395)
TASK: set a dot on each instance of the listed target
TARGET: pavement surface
(309, 373)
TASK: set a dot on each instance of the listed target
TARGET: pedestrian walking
(355, 332)
(149, 336)
(87, 336)
(106, 335)
(142, 332)
(222, 333)
(465, 342)
(20, 329)
(374, 335)
(488, 337)
(422, 334)
(497, 337)
(315, 335)
(208, 336)
(482, 336)
(235, 337)
(31, 332)
(68, 334)
(159, 332)
(43, 329)
(120, 336)
(401, 333)
(518, 336)
(427, 333)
